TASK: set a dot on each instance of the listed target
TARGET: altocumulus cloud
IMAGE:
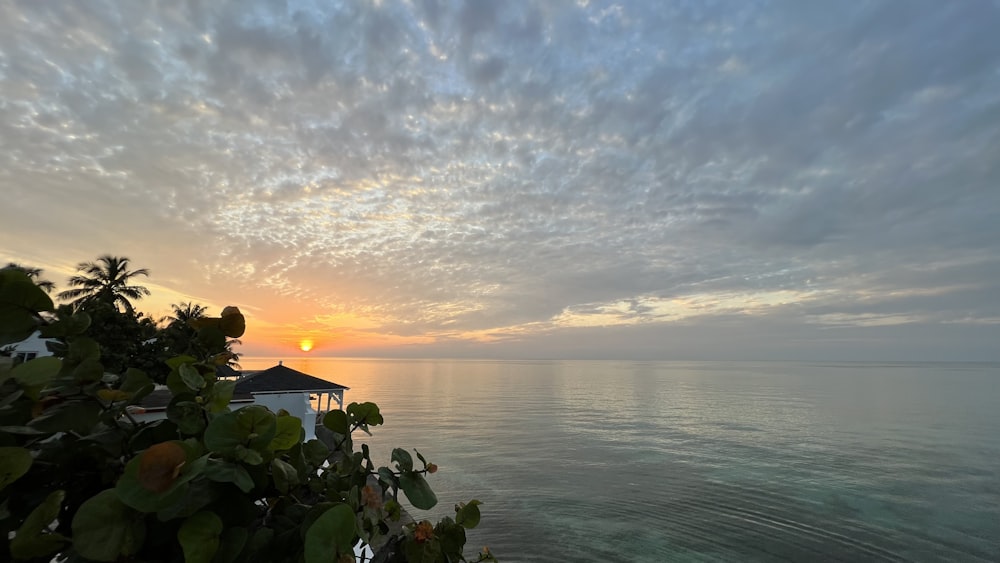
(635, 179)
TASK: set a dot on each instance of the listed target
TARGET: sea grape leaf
(252, 426)
(191, 378)
(70, 416)
(337, 421)
(330, 534)
(83, 348)
(32, 539)
(186, 414)
(468, 515)
(20, 299)
(315, 451)
(246, 455)
(228, 472)
(222, 394)
(137, 383)
(131, 492)
(288, 433)
(258, 423)
(451, 536)
(284, 475)
(233, 324)
(14, 462)
(199, 537)
(364, 413)
(38, 372)
(177, 361)
(104, 528)
(402, 459)
(223, 434)
(417, 490)
(88, 371)
(160, 465)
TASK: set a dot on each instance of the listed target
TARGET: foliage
(106, 280)
(35, 274)
(82, 481)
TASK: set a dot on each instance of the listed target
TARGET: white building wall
(297, 404)
(31, 347)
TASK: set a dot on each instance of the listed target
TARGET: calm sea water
(669, 461)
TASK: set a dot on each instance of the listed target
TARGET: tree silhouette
(107, 280)
(184, 312)
(35, 274)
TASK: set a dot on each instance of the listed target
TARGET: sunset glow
(670, 180)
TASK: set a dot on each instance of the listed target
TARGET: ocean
(698, 461)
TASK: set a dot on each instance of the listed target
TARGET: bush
(81, 481)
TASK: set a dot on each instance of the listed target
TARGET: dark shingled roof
(282, 379)
(273, 380)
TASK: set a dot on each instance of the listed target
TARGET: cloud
(448, 170)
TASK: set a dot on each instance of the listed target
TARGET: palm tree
(106, 280)
(184, 312)
(34, 274)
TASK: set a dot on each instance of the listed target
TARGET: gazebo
(281, 387)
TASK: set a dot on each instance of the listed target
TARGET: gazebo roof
(282, 379)
(278, 379)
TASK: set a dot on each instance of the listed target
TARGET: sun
(306, 345)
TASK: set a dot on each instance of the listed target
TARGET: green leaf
(284, 475)
(131, 492)
(88, 371)
(417, 490)
(228, 472)
(388, 477)
(468, 515)
(315, 452)
(287, 434)
(191, 378)
(177, 361)
(104, 528)
(222, 394)
(258, 423)
(186, 414)
(402, 459)
(32, 538)
(20, 300)
(199, 537)
(14, 462)
(83, 348)
(38, 372)
(71, 416)
(135, 380)
(364, 413)
(223, 434)
(252, 427)
(233, 324)
(248, 456)
(337, 421)
(451, 536)
(331, 534)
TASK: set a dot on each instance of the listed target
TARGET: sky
(710, 180)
